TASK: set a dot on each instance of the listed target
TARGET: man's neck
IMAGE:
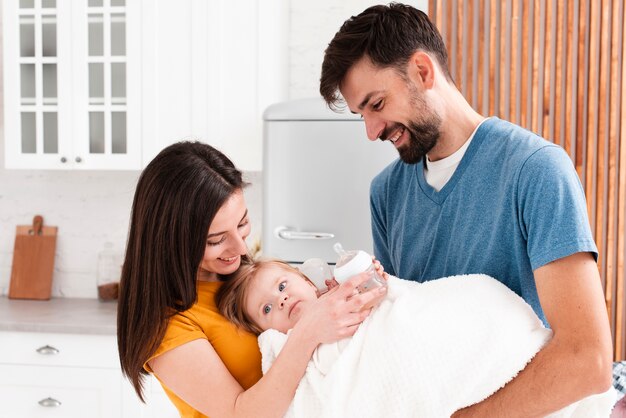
(458, 123)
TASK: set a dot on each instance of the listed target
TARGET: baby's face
(277, 298)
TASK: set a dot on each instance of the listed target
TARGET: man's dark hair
(388, 35)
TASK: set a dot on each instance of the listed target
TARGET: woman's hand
(338, 313)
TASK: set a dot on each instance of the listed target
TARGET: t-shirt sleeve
(552, 208)
(379, 227)
(181, 329)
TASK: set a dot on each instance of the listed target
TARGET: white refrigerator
(317, 169)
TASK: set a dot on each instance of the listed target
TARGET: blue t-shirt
(514, 204)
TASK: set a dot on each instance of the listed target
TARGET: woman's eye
(282, 286)
(377, 105)
(215, 243)
(267, 309)
(244, 223)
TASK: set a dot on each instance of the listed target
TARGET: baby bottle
(351, 263)
(317, 271)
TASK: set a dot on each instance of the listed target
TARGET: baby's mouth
(291, 308)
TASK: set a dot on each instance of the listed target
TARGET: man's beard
(423, 136)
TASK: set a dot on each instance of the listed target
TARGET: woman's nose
(240, 245)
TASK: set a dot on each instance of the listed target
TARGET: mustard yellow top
(238, 349)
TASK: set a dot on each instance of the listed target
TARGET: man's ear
(421, 69)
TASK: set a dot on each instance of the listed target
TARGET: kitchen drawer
(81, 392)
(51, 349)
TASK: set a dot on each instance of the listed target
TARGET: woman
(187, 233)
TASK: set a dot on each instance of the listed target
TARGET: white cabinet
(106, 84)
(71, 84)
(59, 375)
(45, 375)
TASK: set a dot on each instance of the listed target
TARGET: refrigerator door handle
(284, 232)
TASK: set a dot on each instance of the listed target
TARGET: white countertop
(62, 315)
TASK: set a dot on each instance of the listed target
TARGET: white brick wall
(93, 207)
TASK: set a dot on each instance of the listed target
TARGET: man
(474, 195)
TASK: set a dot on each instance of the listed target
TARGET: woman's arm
(196, 374)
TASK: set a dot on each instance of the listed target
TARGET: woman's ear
(421, 69)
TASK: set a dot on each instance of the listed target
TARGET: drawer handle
(47, 350)
(49, 403)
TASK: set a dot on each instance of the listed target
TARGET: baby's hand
(380, 269)
(332, 283)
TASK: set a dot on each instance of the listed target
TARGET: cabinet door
(59, 392)
(37, 83)
(208, 77)
(106, 53)
(71, 79)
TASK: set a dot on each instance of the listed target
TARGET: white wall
(91, 208)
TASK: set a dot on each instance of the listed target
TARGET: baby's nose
(283, 299)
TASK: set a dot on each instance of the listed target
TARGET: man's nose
(374, 127)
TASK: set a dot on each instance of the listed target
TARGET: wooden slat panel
(503, 67)
(544, 114)
(468, 50)
(558, 96)
(583, 63)
(610, 272)
(482, 64)
(492, 64)
(525, 68)
(620, 295)
(534, 120)
(514, 62)
(556, 68)
(571, 78)
(592, 115)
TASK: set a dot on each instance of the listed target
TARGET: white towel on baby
(428, 350)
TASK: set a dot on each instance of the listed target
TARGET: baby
(428, 349)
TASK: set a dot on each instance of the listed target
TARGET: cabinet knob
(63, 159)
(47, 350)
(78, 159)
(49, 403)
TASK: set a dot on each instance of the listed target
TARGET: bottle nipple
(339, 249)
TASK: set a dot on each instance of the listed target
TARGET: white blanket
(428, 350)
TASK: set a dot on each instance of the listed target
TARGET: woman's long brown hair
(176, 199)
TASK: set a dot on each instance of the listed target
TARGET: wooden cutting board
(33, 261)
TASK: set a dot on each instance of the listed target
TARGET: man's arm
(577, 361)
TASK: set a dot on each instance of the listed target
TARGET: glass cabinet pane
(29, 133)
(95, 3)
(96, 35)
(27, 83)
(96, 83)
(48, 4)
(118, 82)
(27, 36)
(116, 3)
(49, 83)
(50, 133)
(118, 34)
(27, 4)
(49, 36)
(96, 132)
(118, 132)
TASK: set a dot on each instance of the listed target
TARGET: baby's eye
(267, 309)
(282, 286)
